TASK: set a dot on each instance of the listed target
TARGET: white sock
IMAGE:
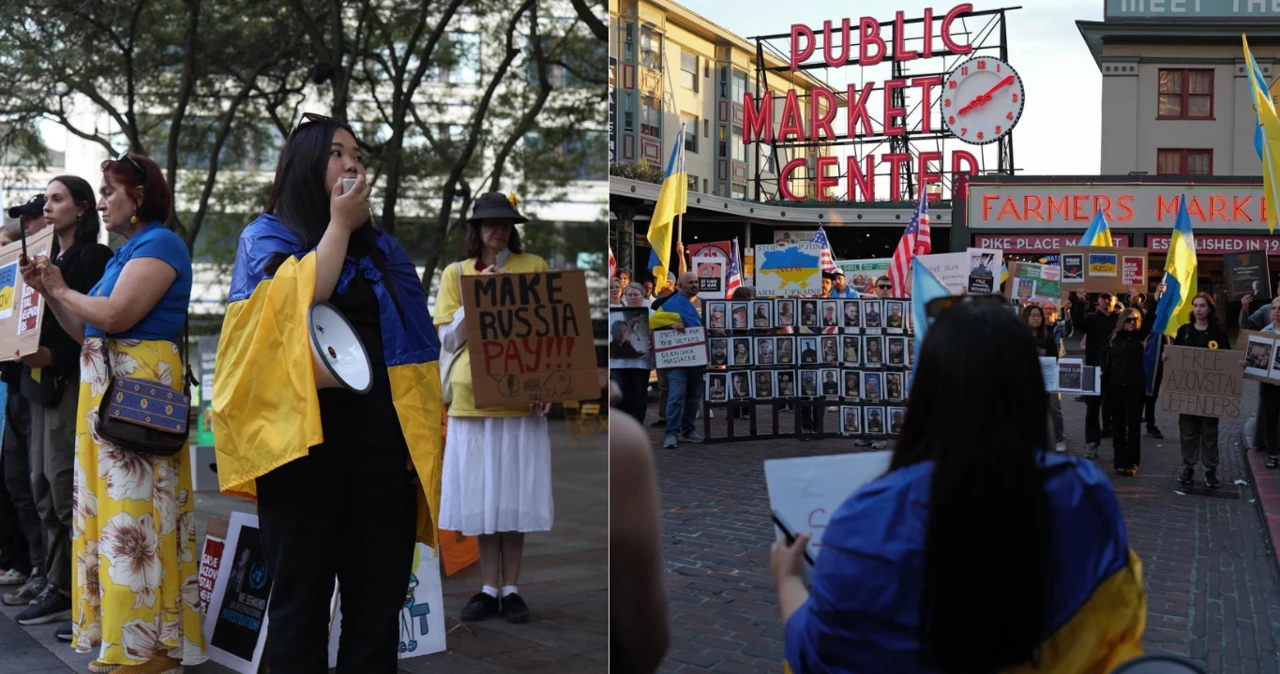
(508, 589)
(490, 590)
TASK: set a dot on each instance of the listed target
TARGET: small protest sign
(1247, 274)
(628, 338)
(672, 348)
(1260, 350)
(215, 542)
(951, 269)
(710, 271)
(805, 492)
(984, 271)
(237, 626)
(1202, 382)
(1103, 269)
(21, 307)
(530, 338)
(1030, 282)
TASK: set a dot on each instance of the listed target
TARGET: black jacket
(1189, 336)
(1122, 360)
(1096, 328)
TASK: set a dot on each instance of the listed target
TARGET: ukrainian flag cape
(266, 409)
(863, 615)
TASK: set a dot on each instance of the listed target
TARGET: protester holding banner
(1199, 435)
(633, 382)
(1125, 389)
(907, 559)
(1048, 346)
(134, 510)
(497, 467)
(48, 376)
(1098, 326)
(344, 480)
(684, 394)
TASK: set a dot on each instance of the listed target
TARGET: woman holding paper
(497, 465)
(1124, 378)
(1048, 346)
(1200, 434)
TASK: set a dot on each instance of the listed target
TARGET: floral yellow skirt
(135, 593)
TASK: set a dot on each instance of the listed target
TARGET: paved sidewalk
(565, 580)
(1213, 588)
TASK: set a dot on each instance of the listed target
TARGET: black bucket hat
(496, 206)
(34, 206)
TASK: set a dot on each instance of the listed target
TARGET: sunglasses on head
(311, 118)
(125, 156)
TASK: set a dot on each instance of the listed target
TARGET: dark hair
(300, 199)
(473, 243)
(977, 410)
(88, 226)
(1213, 307)
(157, 202)
(1041, 333)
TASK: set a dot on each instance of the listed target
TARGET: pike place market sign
(1029, 207)
(1191, 9)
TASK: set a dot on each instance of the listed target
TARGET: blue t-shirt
(166, 318)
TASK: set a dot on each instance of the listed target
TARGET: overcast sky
(1059, 132)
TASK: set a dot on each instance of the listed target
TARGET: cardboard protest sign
(952, 269)
(530, 338)
(805, 492)
(1260, 351)
(1030, 282)
(672, 348)
(787, 270)
(1247, 274)
(629, 338)
(215, 541)
(236, 629)
(984, 271)
(1203, 382)
(21, 307)
(710, 271)
(1101, 269)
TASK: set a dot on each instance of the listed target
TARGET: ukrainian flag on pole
(1174, 308)
(1267, 138)
(1099, 232)
(671, 202)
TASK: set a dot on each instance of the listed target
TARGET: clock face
(982, 100)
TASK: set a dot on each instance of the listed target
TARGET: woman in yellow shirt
(496, 481)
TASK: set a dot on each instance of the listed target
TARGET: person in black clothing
(51, 375)
(1098, 327)
(1200, 434)
(1124, 384)
(1148, 307)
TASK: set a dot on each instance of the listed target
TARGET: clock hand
(983, 98)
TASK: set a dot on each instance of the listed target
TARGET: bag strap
(184, 349)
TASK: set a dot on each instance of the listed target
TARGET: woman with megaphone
(326, 405)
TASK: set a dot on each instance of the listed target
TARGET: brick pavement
(1213, 588)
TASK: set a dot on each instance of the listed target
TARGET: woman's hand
(494, 269)
(51, 278)
(788, 560)
(42, 357)
(31, 273)
(349, 211)
(1082, 296)
(541, 409)
(1164, 356)
(1244, 301)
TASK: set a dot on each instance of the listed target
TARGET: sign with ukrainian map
(21, 307)
(788, 270)
(1031, 282)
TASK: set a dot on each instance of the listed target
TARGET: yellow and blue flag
(671, 202)
(1266, 139)
(1099, 232)
(1174, 307)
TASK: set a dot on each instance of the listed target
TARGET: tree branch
(184, 95)
(531, 113)
(593, 22)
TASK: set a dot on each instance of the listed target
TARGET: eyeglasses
(1130, 319)
(125, 156)
(885, 287)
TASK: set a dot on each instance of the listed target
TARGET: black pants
(1095, 408)
(635, 392)
(1126, 403)
(1270, 418)
(347, 511)
(27, 541)
(1199, 440)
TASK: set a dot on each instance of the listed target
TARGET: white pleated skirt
(497, 475)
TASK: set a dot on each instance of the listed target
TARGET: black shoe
(1189, 475)
(49, 607)
(514, 608)
(1211, 478)
(63, 633)
(480, 607)
(1154, 432)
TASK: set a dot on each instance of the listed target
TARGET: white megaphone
(338, 357)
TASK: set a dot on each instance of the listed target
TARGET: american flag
(825, 259)
(732, 276)
(915, 241)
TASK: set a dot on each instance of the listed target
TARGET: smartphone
(787, 534)
(347, 184)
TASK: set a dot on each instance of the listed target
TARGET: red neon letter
(926, 101)
(894, 117)
(820, 120)
(869, 33)
(757, 122)
(784, 179)
(946, 29)
(858, 110)
(959, 157)
(895, 160)
(826, 44)
(927, 52)
(900, 51)
(864, 181)
(792, 123)
(927, 178)
(798, 56)
(823, 182)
